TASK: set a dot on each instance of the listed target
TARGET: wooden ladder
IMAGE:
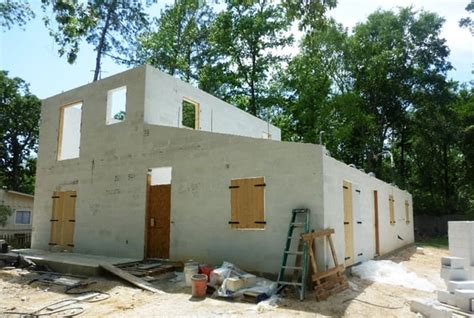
(332, 280)
(299, 219)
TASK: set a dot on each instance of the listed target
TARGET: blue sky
(32, 55)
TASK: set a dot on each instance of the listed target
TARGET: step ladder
(300, 223)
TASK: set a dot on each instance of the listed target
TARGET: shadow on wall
(431, 225)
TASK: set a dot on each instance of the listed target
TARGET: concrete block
(466, 284)
(430, 308)
(446, 297)
(453, 274)
(452, 262)
(463, 298)
(234, 283)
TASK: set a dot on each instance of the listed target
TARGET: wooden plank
(407, 212)
(348, 223)
(56, 214)
(129, 278)
(332, 271)
(247, 203)
(69, 217)
(149, 266)
(333, 251)
(391, 204)
(376, 217)
(315, 234)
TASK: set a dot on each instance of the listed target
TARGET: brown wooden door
(63, 219)
(348, 224)
(158, 221)
(376, 223)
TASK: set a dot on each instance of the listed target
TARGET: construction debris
(130, 278)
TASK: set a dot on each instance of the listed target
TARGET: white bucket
(189, 271)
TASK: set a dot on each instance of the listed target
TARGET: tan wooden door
(348, 224)
(158, 221)
(63, 219)
(248, 203)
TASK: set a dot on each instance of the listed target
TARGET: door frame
(347, 185)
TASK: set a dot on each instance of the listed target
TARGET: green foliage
(189, 114)
(110, 26)
(468, 22)
(19, 121)
(5, 213)
(15, 12)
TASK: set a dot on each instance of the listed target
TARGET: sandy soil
(363, 299)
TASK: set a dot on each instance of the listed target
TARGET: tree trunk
(253, 102)
(446, 179)
(100, 47)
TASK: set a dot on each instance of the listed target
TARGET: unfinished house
(141, 164)
(17, 228)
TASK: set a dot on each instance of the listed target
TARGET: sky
(31, 54)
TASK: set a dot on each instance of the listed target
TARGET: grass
(435, 241)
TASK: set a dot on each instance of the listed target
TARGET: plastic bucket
(189, 271)
(206, 270)
(199, 283)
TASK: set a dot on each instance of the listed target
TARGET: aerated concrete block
(466, 284)
(452, 262)
(430, 308)
(463, 298)
(453, 274)
(446, 297)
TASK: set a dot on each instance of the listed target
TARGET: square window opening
(190, 114)
(70, 131)
(23, 217)
(116, 105)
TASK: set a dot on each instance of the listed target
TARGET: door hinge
(234, 222)
(346, 258)
(260, 222)
(234, 187)
(346, 223)
(260, 185)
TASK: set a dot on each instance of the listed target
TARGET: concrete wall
(163, 106)
(335, 172)
(16, 202)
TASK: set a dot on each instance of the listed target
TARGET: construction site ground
(362, 299)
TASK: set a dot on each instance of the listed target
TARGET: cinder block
(453, 274)
(446, 297)
(452, 262)
(430, 308)
(466, 284)
(463, 298)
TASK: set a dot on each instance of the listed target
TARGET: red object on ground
(199, 286)
(206, 270)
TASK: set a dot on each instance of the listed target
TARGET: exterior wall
(163, 102)
(335, 172)
(16, 202)
(110, 180)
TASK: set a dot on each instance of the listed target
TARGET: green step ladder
(299, 220)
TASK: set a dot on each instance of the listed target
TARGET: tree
(110, 26)
(249, 38)
(5, 212)
(19, 121)
(178, 44)
(467, 22)
(309, 13)
(15, 12)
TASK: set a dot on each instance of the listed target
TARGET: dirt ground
(363, 299)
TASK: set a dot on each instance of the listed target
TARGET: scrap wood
(149, 266)
(130, 278)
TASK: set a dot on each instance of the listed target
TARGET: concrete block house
(17, 229)
(141, 164)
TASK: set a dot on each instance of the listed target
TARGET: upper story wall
(17, 202)
(163, 106)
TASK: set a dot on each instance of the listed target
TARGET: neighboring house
(141, 164)
(17, 230)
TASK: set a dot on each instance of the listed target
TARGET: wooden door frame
(349, 186)
(376, 223)
(147, 203)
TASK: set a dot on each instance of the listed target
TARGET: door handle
(152, 222)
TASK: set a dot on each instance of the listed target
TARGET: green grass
(435, 241)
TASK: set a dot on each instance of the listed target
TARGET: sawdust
(362, 299)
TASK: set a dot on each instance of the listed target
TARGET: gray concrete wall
(163, 105)
(16, 202)
(335, 172)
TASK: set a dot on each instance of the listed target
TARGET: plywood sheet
(391, 205)
(248, 203)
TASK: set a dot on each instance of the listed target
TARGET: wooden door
(158, 221)
(376, 224)
(63, 219)
(348, 224)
